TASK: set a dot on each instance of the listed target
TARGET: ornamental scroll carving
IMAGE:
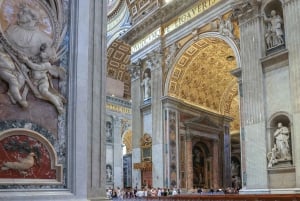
(31, 35)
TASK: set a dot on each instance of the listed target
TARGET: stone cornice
(155, 19)
(118, 101)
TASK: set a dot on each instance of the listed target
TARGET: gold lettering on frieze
(118, 108)
(147, 40)
(190, 14)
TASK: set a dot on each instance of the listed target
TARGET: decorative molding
(154, 19)
(50, 150)
(246, 10)
(135, 69)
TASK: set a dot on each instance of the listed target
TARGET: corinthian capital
(245, 8)
(135, 69)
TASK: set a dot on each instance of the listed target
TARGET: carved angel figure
(29, 52)
(13, 77)
(272, 156)
(21, 165)
(41, 73)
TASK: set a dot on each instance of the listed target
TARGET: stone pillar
(96, 99)
(189, 160)
(292, 29)
(118, 157)
(135, 71)
(156, 110)
(252, 111)
(216, 165)
(226, 157)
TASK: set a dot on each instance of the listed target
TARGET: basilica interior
(188, 128)
(148, 94)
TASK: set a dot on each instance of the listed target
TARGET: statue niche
(146, 84)
(280, 153)
(30, 43)
(274, 26)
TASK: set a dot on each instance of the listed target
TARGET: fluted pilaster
(292, 21)
(292, 30)
(252, 111)
(252, 75)
(118, 158)
(156, 109)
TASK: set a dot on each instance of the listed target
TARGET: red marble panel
(14, 148)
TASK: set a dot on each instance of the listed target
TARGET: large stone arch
(214, 89)
(228, 40)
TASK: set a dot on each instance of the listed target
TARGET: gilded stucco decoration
(127, 141)
(202, 77)
(118, 57)
(31, 39)
(146, 141)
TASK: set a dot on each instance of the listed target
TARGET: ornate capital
(135, 69)
(170, 55)
(155, 58)
(246, 9)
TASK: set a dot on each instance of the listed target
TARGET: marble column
(216, 165)
(226, 157)
(252, 103)
(292, 29)
(118, 157)
(97, 97)
(189, 160)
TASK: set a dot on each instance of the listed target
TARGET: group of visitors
(211, 191)
(130, 193)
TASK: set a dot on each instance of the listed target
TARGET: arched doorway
(201, 78)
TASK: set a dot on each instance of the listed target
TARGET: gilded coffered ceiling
(118, 57)
(202, 77)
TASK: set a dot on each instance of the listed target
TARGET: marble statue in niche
(281, 136)
(146, 84)
(108, 129)
(274, 32)
(281, 149)
(108, 173)
(29, 53)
